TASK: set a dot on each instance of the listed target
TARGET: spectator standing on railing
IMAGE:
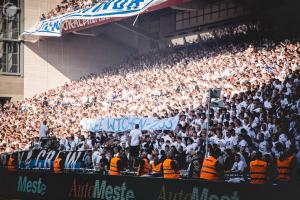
(134, 142)
(43, 133)
(43, 130)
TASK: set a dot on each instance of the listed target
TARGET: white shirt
(267, 105)
(239, 166)
(262, 147)
(70, 145)
(43, 131)
(243, 143)
(135, 135)
(229, 142)
(96, 157)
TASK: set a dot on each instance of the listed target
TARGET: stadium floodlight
(192, 38)
(10, 10)
(178, 41)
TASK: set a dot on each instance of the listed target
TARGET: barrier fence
(41, 185)
(74, 161)
(35, 180)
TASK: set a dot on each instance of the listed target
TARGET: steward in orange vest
(144, 167)
(209, 170)
(258, 170)
(115, 165)
(12, 164)
(156, 166)
(285, 167)
(170, 168)
(58, 164)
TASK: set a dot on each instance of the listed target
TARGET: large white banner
(110, 8)
(122, 124)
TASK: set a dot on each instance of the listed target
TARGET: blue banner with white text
(122, 124)
(107, 9)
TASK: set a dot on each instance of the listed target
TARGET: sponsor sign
(38, 185)
(26, 185)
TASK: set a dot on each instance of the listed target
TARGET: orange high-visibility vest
(209, 170)
(156, 168)
(56, 165)
(146, 169)
(113, 169)
(258, 169)
(10, 165)
(170, 173)
(284, 169)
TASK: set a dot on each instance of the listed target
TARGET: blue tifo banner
(110, 8)
(122, 124)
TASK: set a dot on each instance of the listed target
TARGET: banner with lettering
(122, 124)
(43, 159)
(106, 9)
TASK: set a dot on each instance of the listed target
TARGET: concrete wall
(54, 61)
(11, 86)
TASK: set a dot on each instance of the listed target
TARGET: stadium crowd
(260, 84)
(67, 6)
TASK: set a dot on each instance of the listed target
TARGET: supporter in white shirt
(262, 143)
(96, 158)
(229, 140)
(43, 130)
(267, 104)
(277, 85)
(282, 138)
(89, 143)
(239, 165)
(218, 140)
(242, 143)
(265, 131)
(166, 137)
(190, 145)
(135, 136)
(84, 100)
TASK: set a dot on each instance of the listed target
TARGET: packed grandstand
(260, 81)
(67, 6)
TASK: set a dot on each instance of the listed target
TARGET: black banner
(43, 159)
(38, 185)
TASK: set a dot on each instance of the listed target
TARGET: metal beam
(136, 30)
(10, 40)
